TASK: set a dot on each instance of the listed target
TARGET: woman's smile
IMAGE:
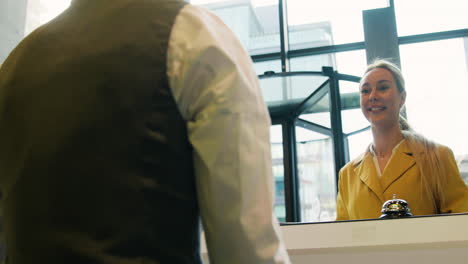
(380, 99)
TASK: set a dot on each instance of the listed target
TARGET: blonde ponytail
(404, 125)
(433, 171)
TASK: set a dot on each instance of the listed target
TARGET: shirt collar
(372, 151)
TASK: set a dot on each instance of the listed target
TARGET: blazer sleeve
(341, 210)
(456, 191)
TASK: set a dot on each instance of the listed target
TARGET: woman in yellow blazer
(399, 161)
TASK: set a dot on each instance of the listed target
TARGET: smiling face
(380, 99)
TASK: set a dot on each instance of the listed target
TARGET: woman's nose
(373, 95)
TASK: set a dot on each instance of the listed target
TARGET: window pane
(323, 117)
(351, 114)
(358, 143)
(437, 92)
(350, 88)
(290, 89)
(315, 23)
(276, 138)
(255, 22)
(264, 66)
(312, 63)
(317, 189)
(349, 62)
(425, 16)
(353, 120)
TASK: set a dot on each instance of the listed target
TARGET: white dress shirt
(218, 94)
(376, 161)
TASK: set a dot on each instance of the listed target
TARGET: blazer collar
(364, 167)
(401, 162)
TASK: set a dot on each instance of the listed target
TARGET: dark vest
(95, 163)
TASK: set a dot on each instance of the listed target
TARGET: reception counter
(434, 239)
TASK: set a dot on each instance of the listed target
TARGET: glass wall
(317, 186)
(265, 66)
(427, 16)
(437, 92)
(323, 23)
(276, 137)
(255, 22)
(353, 121)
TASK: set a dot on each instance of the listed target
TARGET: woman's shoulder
(419, 143)
(436, 146)
(444, 151)
(442, 147)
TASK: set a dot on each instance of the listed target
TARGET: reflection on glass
(276, 138)
(437, 93)
(452, 13)
(321, 112)
(316, 23)
(316, 176)
(255, 22)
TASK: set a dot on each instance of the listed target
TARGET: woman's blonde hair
(433, 172)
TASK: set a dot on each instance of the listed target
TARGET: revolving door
(309, 142)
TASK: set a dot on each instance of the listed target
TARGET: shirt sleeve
(218, 94)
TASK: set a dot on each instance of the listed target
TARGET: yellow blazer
(361, 192)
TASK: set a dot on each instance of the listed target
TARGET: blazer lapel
(368, 174)
(400, 163)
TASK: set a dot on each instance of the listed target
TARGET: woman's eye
(364, 91)
(382, 88)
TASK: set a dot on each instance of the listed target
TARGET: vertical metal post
(284, 45)
(291, 187)
(335, 118)
(380, 34)
(284, 36)
(291, 183)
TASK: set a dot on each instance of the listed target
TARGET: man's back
(95, 154)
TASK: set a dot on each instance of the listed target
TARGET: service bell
(395, 208)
